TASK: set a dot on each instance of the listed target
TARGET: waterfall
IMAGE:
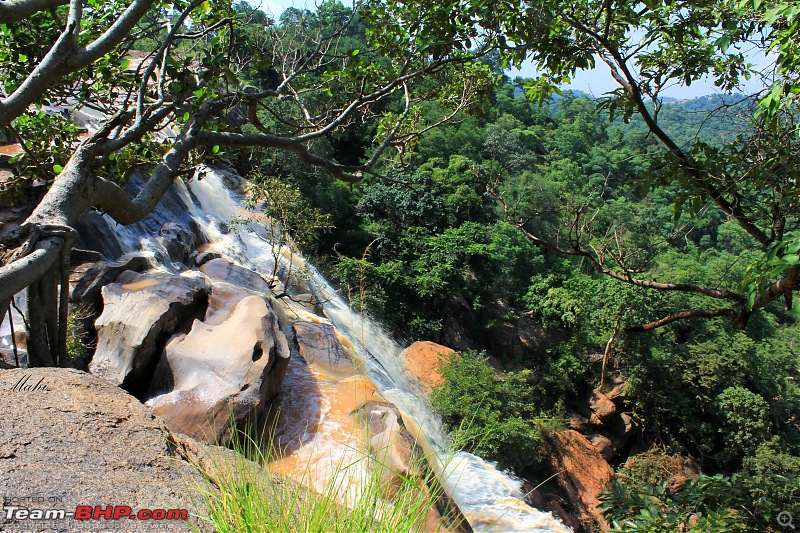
(491, 500)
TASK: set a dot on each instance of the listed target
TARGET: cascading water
(490, 500)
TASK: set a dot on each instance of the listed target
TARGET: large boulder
(583, 474)
(88, 279)
(603, 409)
(423, 359)
(526, 337)
(225, 369)
(69, 438)
(177, 240)
(223, 270)
(318, 343)
(389, 441)
(140, 312)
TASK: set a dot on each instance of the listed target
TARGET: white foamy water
(491, 500)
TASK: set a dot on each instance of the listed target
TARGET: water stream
(491, 500)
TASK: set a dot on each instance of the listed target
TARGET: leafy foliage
(713, 504)
(493, 415)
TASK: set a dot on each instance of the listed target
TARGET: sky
(594, 82)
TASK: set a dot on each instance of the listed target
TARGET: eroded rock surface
(223, 270)
(138, 312)
(583, 474)
(89, 279)
(317, 343)
(177, 240)
(78, 440)
(228, 366)
(389, 441)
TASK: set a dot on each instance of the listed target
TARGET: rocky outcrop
(139, 312)
(90, 278)
(223, 270)
(422, 360)
(69, 438)
(583, 473)
(226, 368)
(317, 343)
(389, 441)
(177, 240)
(459, 324)
(603, 409)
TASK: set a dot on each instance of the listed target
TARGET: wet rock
(201, 258)
(139, 313)
(603, 409)
(422, 360)
(557, 509)
(79, 440)
(389, 441)
(223, 270)
(317, 342)
(584, 474)
(397, 458)
(177, 240)
(224, 370)
(89, 279)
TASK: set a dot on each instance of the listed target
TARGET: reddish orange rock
(422, 360)
(583, 474)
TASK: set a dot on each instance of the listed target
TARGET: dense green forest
(431, 248)
(562, 244)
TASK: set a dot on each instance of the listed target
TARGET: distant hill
(714, 119)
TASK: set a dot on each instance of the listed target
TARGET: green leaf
(215, 149)
(186, 117)
(57, 169)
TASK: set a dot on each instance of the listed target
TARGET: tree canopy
(166, 82)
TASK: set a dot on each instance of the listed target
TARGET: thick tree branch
(779, 289)
(683, 315)
(64, 57)
(114, 201)
(290, 144)
(15, 10)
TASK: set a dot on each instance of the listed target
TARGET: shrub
(494, 415)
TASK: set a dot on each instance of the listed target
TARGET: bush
(745, 421)
(493, 415)
(717, 504)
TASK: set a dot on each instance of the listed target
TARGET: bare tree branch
(683, 315)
